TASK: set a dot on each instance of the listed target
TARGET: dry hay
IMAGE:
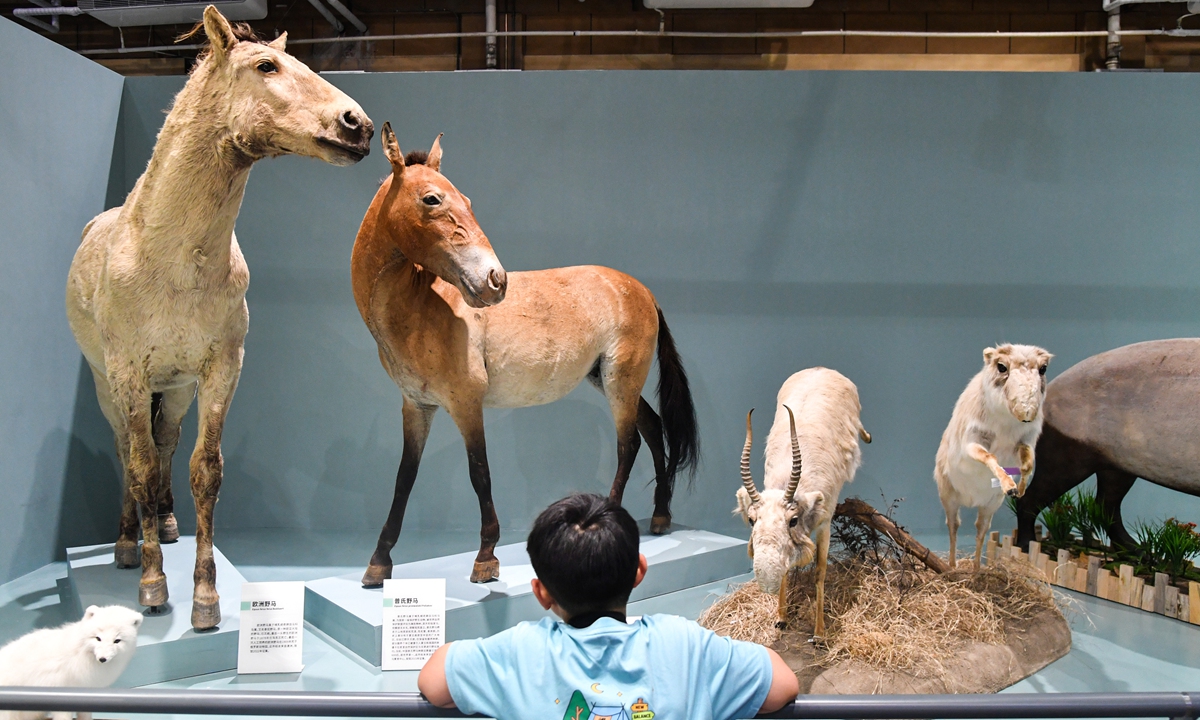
(886, 612)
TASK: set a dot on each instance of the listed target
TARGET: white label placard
(414, 621)
(271, 634)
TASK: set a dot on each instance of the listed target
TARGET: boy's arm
(432, 680)
(784, 686)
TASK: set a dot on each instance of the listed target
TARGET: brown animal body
(456, 331)
(156, 295)
(1129, 413)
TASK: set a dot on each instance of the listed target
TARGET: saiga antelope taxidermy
(803, 480)
(156, 293)
(996, 424)
(455, 331)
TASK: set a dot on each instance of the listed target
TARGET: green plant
(1169, 546)
(1057, 519)
(1089, 518)
(1178, 543)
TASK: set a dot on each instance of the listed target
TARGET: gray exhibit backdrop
(58, 118)
(888, 225)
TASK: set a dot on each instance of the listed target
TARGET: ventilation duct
(715, 4)
(124, 13)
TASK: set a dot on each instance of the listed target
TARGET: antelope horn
(794, 481)
(747, 478)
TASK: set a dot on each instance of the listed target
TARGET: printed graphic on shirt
(578, 709)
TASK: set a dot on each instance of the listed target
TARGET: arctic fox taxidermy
(91, 653)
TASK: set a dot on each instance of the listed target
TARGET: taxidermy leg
(168, 409)
(979, 453)
(130, 391)
(417, 420)
(126, 552)
(216, 392)
(470, 424)
(1062, 463)
(822, 563)
(622, 386)
(1025, 454)
(782, 600)
(950, 505)
(983, 523)
(649, 424)
(1112, 485)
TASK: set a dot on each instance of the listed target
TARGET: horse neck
(376, 249)
(189, 196)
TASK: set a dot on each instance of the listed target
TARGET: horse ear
(391, 149)
(219, 31)
(279, 43)
(434, 161)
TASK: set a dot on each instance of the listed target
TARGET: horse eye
(431, 200)
(794, 522)
(97, 638)
(1042, 370)
(266, 66)
(1001, 367)
(117, 641)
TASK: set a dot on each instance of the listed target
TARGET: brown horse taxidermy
(455, 331)
(156, 295)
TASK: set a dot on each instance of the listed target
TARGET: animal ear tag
(1012, 472)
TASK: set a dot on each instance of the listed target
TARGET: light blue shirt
(661, 667)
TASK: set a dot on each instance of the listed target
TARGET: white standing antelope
(156, 295)
(996, 423)
(804, 478)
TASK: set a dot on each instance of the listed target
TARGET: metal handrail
(1173, 705)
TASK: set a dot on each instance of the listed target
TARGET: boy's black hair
(584, 549)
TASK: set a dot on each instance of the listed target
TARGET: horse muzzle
(486, 291)
(349, 139)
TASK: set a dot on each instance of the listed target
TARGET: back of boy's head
(584, 549)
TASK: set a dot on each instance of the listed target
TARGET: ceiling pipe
(345, 12)
(489, 14)
(1112, 54)
(681, 34)
(28, 14)
(327, 15)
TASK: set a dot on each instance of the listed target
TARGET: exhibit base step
(168, 647)
(352, 615)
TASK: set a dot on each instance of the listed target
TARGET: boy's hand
(432, 680)
(784, 685)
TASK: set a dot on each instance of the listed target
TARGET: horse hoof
(486, 571)
(781, 625)
(375, 575)
(153, 594)
(205, 615)
(660, 524)
(168, 528)
(127, 556)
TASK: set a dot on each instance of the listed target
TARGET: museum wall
(888, 225)
(58, 118)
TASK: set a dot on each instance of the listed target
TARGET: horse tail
(675, 406)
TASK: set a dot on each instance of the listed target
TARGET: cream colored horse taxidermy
(430, 290)
(803, 480)
(156, 293)
(996, 422)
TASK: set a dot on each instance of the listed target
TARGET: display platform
(168, 647)
(352, 615)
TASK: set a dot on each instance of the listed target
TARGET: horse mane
(416, 157)
(242, 31)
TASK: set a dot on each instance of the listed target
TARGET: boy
(584, 550)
